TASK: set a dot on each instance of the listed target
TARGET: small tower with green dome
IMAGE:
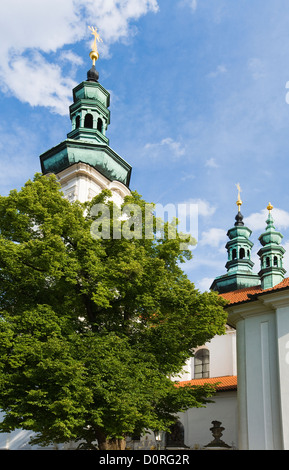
(84, 163)
(271, 254)
(239, 265)
(89, 112)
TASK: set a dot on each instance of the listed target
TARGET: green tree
(92, 328)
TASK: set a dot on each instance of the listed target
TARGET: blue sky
(198, 103)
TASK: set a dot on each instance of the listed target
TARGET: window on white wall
(202, 364)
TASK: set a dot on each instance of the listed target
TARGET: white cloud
(175, 148)
(197, 207)
(257, 68)
(187, 212)
(214, 237)
(257, 221)
(204, 207)
(220, 70)
(286, 257)
(205, 284)
(211, 163)
(39, 83)
(188, 176)
(191, 3)
(32, 29)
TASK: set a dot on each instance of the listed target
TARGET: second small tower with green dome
(271, 254)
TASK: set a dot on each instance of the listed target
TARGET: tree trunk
(112, 444)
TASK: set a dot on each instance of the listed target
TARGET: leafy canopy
(91, 329)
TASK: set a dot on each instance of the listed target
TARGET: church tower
(239, 265)
(271, 255)
(84, 163)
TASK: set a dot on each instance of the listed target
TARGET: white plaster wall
(222, 357)
(198, 421)
(258, 378)
(282, 325)
(19, 440)
(16, 440)
(262, 383)
(82, 182)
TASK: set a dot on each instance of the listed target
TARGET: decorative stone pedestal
(217, 443)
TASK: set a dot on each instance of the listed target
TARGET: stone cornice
(83, 169)
(263, 303)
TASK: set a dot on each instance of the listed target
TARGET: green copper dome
(271, 255)
(239, 265)
(271, 235)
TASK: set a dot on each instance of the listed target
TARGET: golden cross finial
(270, 207)
(94, 55)
(239, 202)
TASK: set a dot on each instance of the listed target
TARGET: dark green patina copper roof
(98, 155)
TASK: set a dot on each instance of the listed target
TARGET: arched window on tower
(99, 125)
(275, 261)
(202, 364)
(77, 122)
(267, 262)
(242, 253)
(234, 253)
(88, 121)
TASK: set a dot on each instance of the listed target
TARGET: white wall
(282, 327)
(222, 357)
(198, 421)
(263, 371)
(82, 182)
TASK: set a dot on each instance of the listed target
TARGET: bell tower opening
(99, 125)
(88, 121)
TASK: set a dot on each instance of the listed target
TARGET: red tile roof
(248, 293)
(241, 295)
(228, 382)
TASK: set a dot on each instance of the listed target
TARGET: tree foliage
(92, 329)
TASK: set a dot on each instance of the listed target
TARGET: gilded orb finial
(270, 207)
(94, 55)
(239, 202)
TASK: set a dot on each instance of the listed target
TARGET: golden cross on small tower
(94, 55)
(239, 202)
(270, 207)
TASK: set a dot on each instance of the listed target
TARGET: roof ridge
(245, 294)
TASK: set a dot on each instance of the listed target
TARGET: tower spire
(239, 201)
(271, 254)
(239, 265)
(94, 55)
(92, 74)
(239, 217)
